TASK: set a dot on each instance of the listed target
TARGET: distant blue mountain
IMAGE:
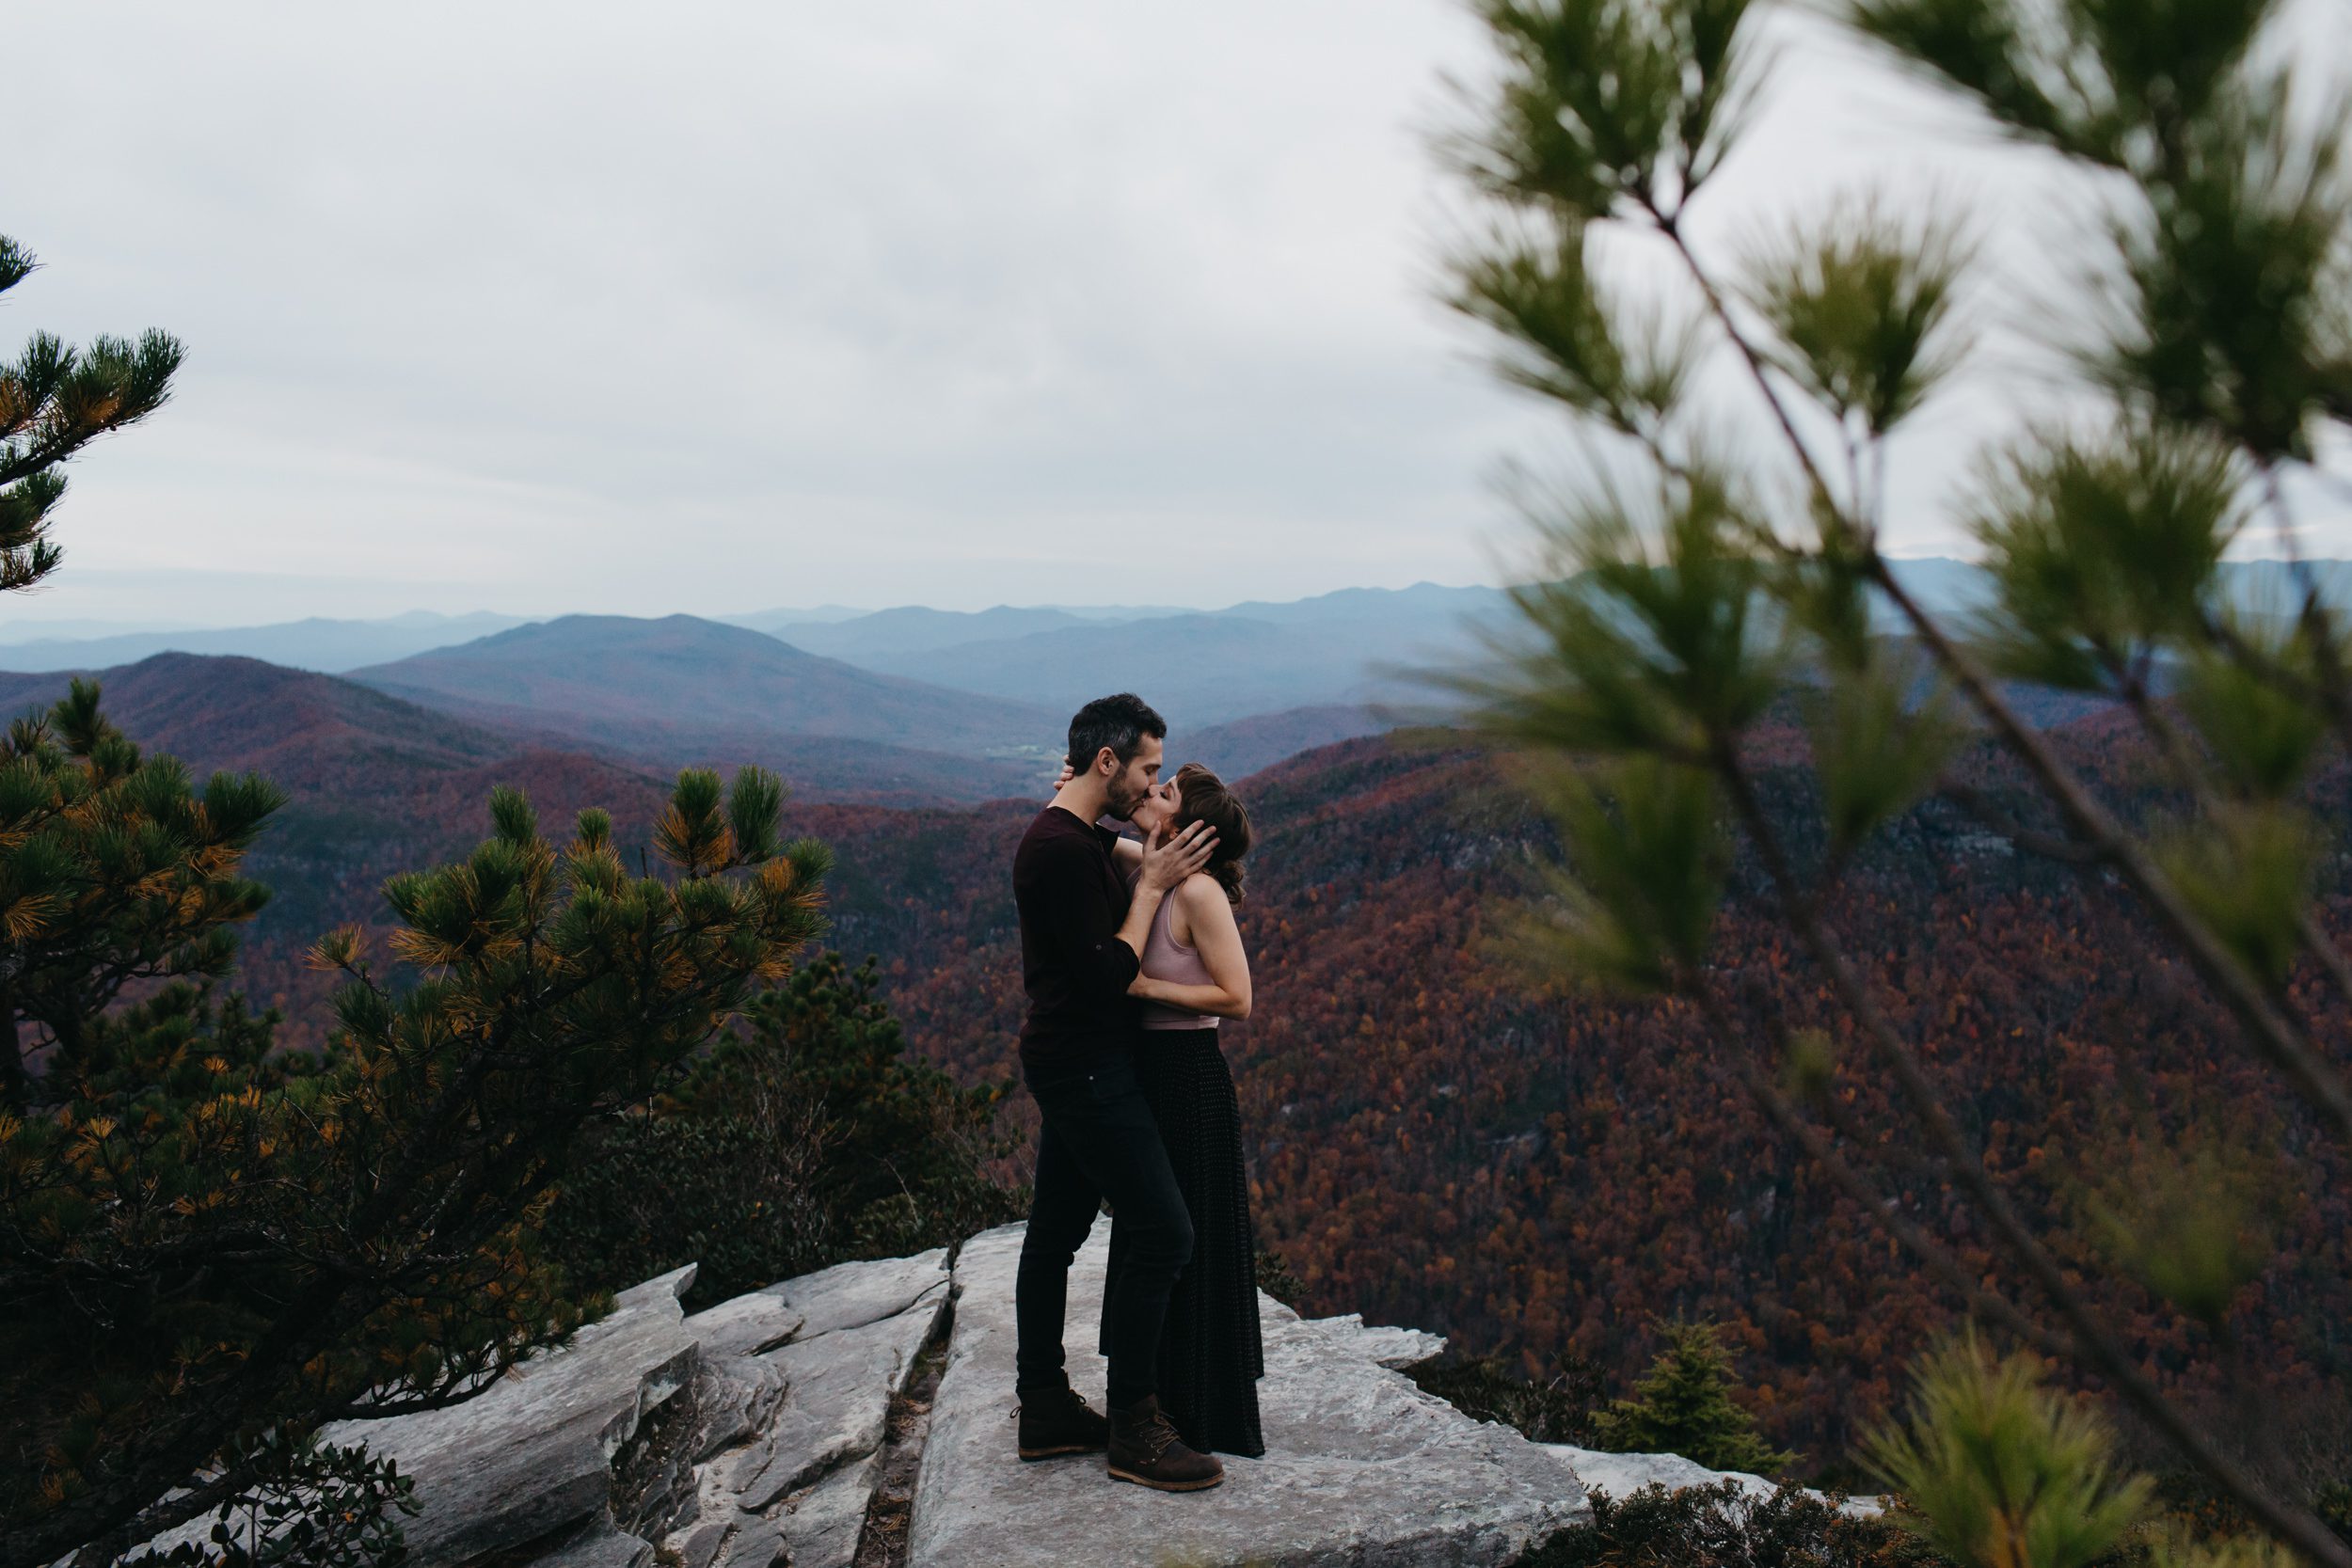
(1204, 668)
(1424, 605)
(16, 629)
(322, 646)
(678, 684)
(913, 629)
(769, 620)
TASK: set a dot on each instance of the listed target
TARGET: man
(1082, 937)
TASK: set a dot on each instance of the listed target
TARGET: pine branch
(2295, 1526)
(2276, 1038)
(2270, 1033)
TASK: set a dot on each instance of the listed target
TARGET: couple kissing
(1131, 956)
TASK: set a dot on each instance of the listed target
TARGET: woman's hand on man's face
(1166, 861)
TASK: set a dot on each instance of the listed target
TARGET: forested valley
(1443, 1139)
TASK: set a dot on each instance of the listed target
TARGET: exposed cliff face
(797, 1424)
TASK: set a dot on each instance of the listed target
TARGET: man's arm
(1084, 929)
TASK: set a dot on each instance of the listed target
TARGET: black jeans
(1099, 1142)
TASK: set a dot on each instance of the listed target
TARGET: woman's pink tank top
(1165, 959)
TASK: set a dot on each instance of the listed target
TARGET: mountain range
(1329, 648)
(913, 703)
(921, 706)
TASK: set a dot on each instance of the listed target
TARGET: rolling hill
(1245, 746)
(375, 785)
(311, 733)
(681, 687)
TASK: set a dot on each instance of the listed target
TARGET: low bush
(804, 1137)
(1558, 1409)
(1720, 1526)
(1277, 1279)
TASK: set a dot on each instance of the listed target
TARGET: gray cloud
(719, 307)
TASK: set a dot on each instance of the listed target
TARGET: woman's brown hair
(1202, 797)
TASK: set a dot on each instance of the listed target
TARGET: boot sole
(1118, 1474)
(1066, 1447)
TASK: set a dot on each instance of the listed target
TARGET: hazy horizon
(13, 630)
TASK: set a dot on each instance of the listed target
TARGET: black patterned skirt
(1211, 1355)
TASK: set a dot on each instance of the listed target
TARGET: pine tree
(804, 1136)
(114, 870)
(1683, 1405)
(2005, 1470)
(53, 401)
(209, 1247)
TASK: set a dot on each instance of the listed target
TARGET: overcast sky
(714, 308)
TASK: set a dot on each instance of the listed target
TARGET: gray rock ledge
(535, 1452)
(752, 1435)
(1362, 1470)
(789, 1481)
(744, 1436)
(1621, 1474)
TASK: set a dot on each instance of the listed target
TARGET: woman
(1195, 974)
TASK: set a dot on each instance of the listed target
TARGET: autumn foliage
(1543, 1171)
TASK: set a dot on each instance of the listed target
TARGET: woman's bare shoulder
(1203, 896)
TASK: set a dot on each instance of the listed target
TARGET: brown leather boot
(1146, 1450)
(1056, 1420)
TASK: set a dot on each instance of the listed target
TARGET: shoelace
(1157, 1434)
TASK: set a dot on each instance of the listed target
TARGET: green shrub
(2007, 1472)
(2333, 1504)
(804, 1137)
(315, 1505)
(1277, 1279)
(1720, 1527)
(1559, 1409)
(1683, 1405)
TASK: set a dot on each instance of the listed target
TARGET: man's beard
(1121, 804)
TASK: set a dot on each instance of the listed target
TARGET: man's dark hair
(1119, 722)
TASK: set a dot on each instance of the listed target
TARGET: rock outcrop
(756, 1435)
(744, 1436)
(1621, 1474)
(1362, 1468)
(533, 1457)
(788, 1482)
